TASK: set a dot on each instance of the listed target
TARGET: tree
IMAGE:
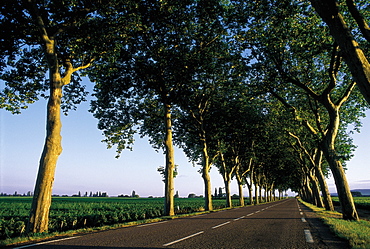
(40, 37)
(353, 47)
(148, 76)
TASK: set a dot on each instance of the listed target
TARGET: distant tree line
(29, 193)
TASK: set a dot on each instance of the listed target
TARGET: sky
(86, 165)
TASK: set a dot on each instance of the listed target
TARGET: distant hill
(362, 191)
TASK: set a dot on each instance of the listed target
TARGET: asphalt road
(282, 224)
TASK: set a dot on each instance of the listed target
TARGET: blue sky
(86, 165)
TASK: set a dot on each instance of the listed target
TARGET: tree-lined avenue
(271, 225)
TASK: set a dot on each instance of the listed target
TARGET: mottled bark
(328, 147)
(315, 190)
(169, 206)
(39, 213)
(206, 177)
(328, 203)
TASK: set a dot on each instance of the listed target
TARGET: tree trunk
(328, 203)
(260, 194)
(228, 195)
(39, 214)
(328, 147)
(256, 196)
(205, 175)
(345, 197)
(250, 186)
(352, 53)
(169, 205)
(308, 191)
(315, 190)
(227, 178)
(240, 188)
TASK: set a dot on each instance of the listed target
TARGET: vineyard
(69, 213)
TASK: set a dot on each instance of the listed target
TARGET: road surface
(282, 224)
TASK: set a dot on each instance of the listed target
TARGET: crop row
(75, 213)
(360, 202)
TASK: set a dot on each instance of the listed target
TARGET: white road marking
(250, 214)
(221, 225)
(239, 218)
(308, 236)
(301, 213)
(46, 242)
(303, 219)
(185, 238)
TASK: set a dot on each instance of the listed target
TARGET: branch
(294, 81)
(346, 94)
(302, 147)
(361, 22)
(303, 86)
(317, 114)
(70, 70)
(333, 70)
(293, 110)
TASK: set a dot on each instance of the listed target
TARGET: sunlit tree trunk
(240, 188)
(170, 165)
(205, 174)
(328, 203)
(308, 191)
(315, 190)
(39, 214)
(328, 146)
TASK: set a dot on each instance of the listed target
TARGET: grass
(356, 232)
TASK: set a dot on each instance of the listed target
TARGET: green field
(360, 202)
(69, 213)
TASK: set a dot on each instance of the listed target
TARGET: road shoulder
(321, 232)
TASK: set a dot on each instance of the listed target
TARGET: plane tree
(44, 44)
(298, 61)
(163, 61)
(348, 24)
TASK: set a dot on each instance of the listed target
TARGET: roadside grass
(356, 232)
(44, 236)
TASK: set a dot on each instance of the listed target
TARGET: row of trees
(264, 91)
